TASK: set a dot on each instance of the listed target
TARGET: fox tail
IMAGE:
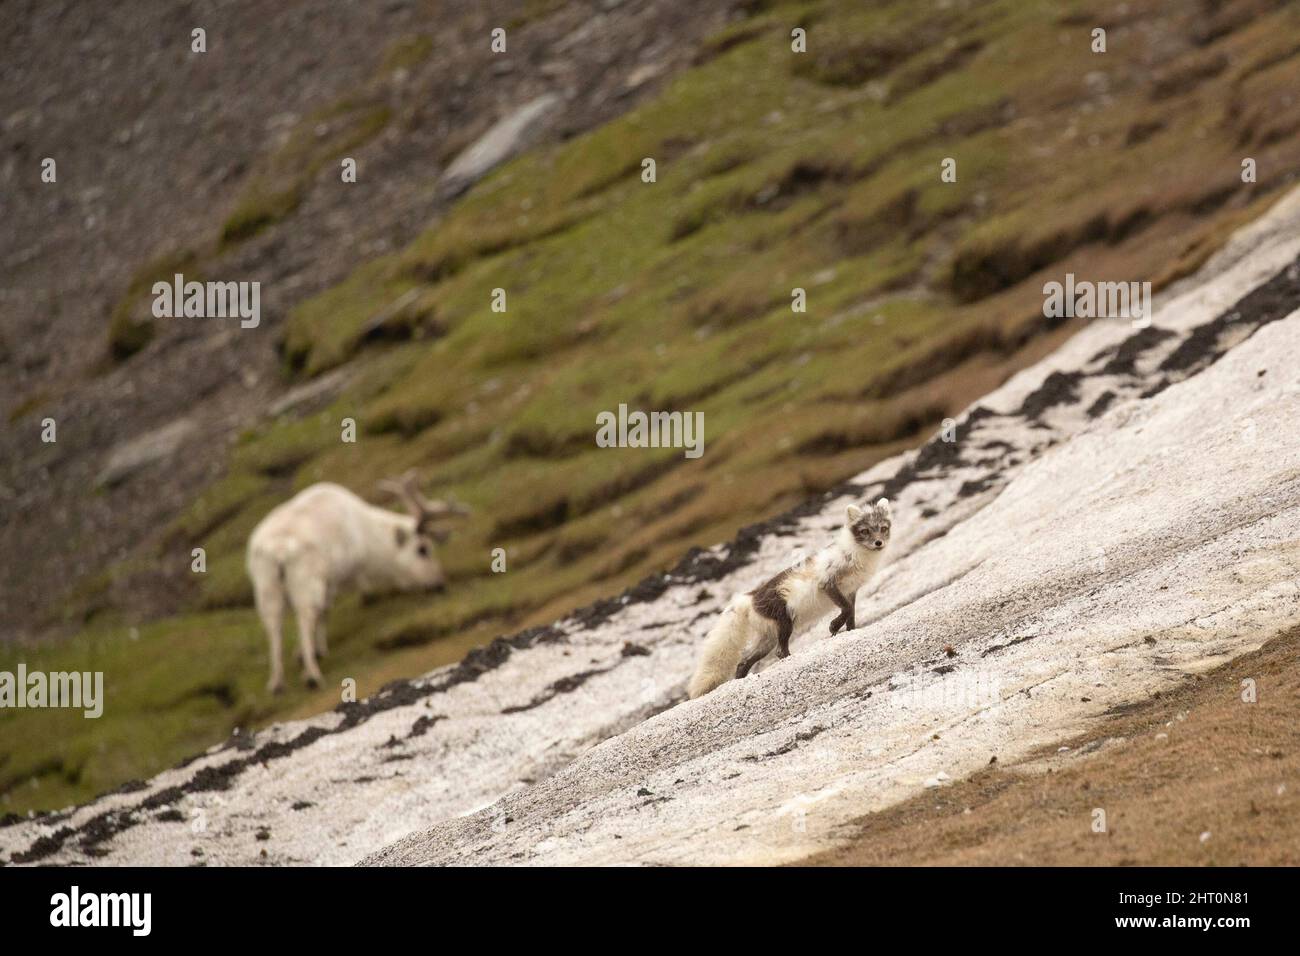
(723, 647)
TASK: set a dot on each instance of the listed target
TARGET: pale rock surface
(508, 136)
(140, 452)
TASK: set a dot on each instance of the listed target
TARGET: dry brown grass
(1225, 768)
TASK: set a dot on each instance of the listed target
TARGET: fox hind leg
(744, 667)
(773, 604)
(778, 612)
(784, 629)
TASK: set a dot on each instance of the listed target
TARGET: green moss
(226, 584)
(325, 331)
(406, 53)
(216, 505)
(126, 336)
(279, 448)
(279, 188)
(261, 205)
(131, 324)
(158, 706)
(532, 11)
(28, 405)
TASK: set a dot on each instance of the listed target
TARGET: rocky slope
(1113, 518)
(777, 170)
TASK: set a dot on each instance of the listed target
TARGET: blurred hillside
(775, 170)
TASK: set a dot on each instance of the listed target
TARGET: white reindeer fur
(319, 542)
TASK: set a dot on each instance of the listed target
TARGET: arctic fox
(794, 600)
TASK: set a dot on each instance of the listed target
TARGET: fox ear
(883, 507)
(853, 513)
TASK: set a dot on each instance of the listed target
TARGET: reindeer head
(416, 564)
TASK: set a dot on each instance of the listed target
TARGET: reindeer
(326, 539)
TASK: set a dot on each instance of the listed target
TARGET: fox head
(870, 525)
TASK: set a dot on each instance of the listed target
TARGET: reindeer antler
(403, 489)
(422, 509)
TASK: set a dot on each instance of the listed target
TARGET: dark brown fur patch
(768, 600)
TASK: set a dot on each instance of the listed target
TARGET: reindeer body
(326, 539)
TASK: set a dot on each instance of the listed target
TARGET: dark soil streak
(793, 744)
(565, 685)
(1275, 299)
(1002, 647)
(1103, 402)
(1122, 358)
(1059, 388)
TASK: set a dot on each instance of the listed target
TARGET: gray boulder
(508, 136)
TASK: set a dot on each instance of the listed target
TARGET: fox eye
(423, 550)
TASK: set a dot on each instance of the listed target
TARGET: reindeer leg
(268, 594)
(322, 642)
(308, 618)
(308, 594)
(321, 637)
(274, 635)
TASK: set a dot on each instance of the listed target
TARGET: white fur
(742, 632)
(804, 596)
(724, 644)
(321, 541)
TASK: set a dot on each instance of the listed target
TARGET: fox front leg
(845, 618)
